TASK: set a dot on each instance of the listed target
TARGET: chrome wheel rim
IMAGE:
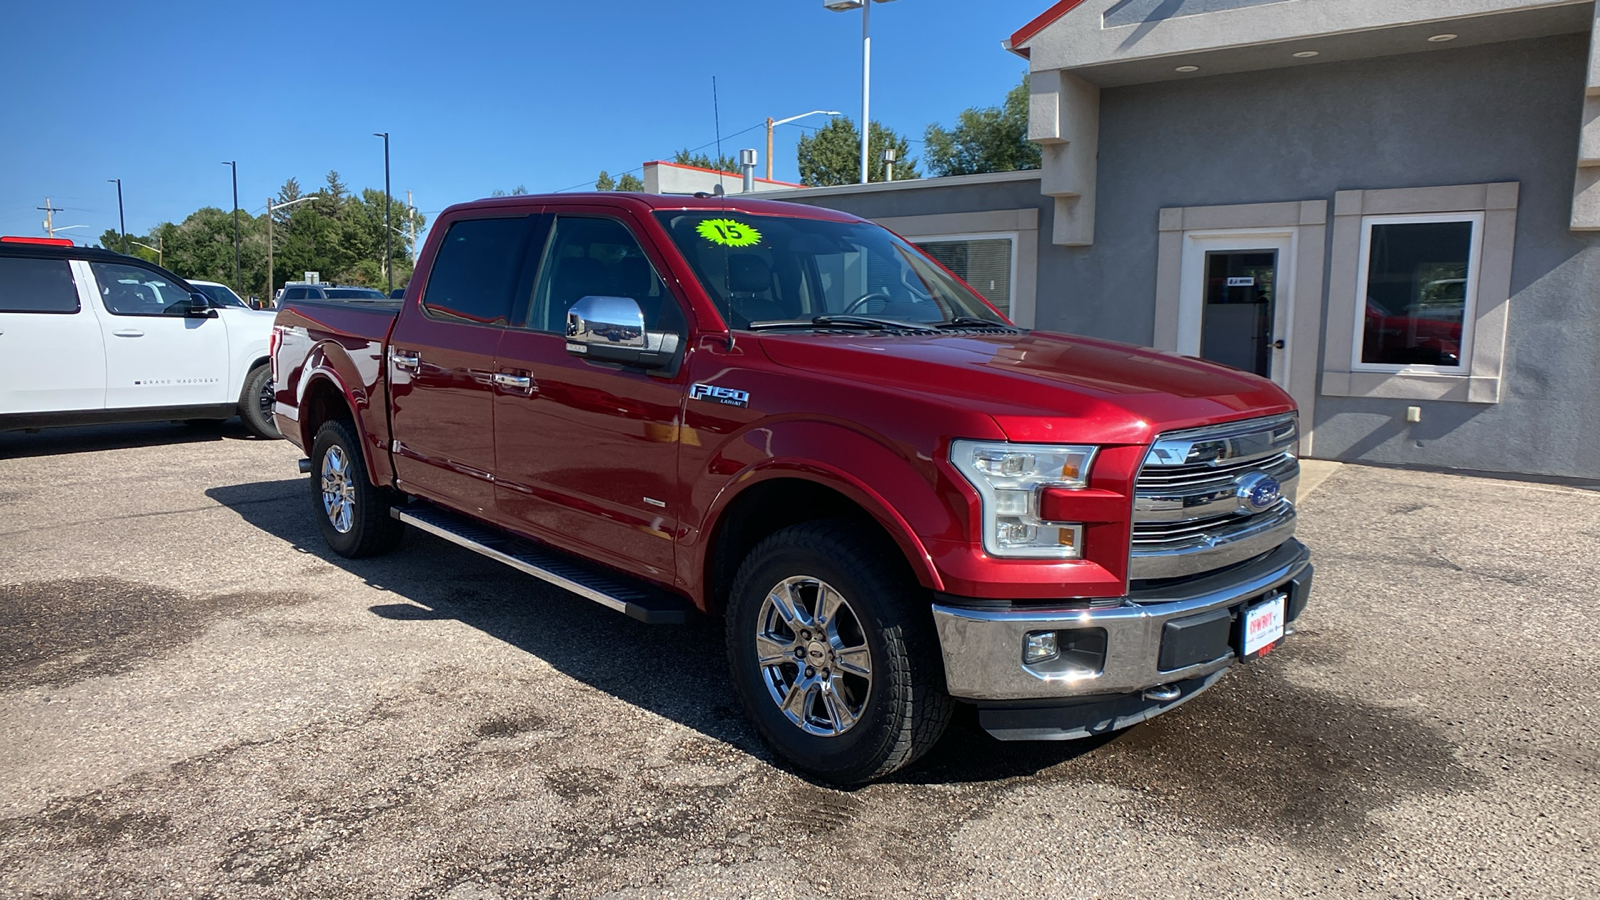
(813, 655)
(338, 491)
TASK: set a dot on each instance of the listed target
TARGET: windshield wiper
(865, 323)
(969, 322)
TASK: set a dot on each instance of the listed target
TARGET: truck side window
(588, 256)
(135, 291)
(474, 273)
(36, 286)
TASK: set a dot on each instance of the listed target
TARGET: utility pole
(235, 167)
(411, 223)
(49, 216)
(267, 297)
(122, 224)
(388, 204)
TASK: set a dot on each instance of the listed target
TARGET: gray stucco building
(1391, 207)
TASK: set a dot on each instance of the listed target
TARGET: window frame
(523, 320)
(1014, 237)
(77, 297)
(528, 220)
(93, 273)
(1469, 307)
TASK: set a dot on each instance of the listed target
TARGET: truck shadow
(89, 438)
(678, 672)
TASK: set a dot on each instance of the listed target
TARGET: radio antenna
(722, 195)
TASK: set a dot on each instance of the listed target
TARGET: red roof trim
(668, 162)
(1027, 32)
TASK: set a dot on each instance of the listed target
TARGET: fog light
(1038, 647)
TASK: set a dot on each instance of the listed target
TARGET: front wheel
(352, 511)
(833, 653)
(255, 404)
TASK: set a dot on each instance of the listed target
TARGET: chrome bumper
(983, 647)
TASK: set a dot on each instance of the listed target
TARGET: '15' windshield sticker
(728, 233)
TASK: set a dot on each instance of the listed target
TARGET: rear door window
(37, 286)
(474, 274)
(135, 291)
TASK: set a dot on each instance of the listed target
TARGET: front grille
(1193, 511)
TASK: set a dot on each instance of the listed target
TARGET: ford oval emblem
(1257, 492)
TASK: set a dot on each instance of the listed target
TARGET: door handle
(407, 361)
(520, 382)
(128, 332)
(1278, 344)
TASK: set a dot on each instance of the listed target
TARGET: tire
(352, 511)
(255, 404)
(838, 725)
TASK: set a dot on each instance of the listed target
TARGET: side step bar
(636, 600)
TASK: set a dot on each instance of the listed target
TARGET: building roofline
(1040, 22)
(909, 184)
(677, 165)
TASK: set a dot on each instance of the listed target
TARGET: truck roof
(652, 202)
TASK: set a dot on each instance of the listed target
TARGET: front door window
(1236, 320)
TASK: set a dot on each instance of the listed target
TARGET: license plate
(1263, 625)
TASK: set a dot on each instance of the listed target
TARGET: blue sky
(475, 95)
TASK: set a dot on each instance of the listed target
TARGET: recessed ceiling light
(1187, 69)
(1306, 54)
(1441, 38)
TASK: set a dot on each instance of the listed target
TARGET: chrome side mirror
(606, 321)
(611, 329)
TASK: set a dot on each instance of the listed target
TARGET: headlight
(1010, 478)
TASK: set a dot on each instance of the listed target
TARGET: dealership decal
(728, 233)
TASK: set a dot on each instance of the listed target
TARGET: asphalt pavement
(198, 699)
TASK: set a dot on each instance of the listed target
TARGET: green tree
(605, 182)
(832, 155)
(986, 139)
(517, 191)
(626, 182)
(630, 183)
(721, 163)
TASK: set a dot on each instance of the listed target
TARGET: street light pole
(866, 71)
(771, 124)
(235, 167)
(122, 224)
(388, 230)
(270, 210)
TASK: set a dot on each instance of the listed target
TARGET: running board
(636, 600)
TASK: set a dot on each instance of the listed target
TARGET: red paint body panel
(573, 459)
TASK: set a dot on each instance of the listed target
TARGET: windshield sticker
(728, 233)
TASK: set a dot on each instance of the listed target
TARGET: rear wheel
(352, 511)
(255, 403)
(833, 653)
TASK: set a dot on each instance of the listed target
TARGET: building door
(1234, 303)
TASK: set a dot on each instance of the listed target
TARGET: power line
(690, 150)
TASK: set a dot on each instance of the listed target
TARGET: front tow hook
(1162, 693)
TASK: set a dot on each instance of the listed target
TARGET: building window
(1419, 279)
(986, 262)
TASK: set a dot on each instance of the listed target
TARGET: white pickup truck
(88, 336)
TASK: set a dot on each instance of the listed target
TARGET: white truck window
(36, 286)
(134, 291)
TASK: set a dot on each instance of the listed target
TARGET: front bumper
(983, 648)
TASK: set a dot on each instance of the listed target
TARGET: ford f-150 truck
(791, 418)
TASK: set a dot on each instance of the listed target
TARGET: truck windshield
(773, 271)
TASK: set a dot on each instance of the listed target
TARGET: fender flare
(319, 367)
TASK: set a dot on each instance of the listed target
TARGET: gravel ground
(198, 699)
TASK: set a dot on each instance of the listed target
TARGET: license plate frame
(1262, 625)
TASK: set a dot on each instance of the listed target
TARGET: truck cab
(791, 418)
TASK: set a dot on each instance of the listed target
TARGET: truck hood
(1040, 386)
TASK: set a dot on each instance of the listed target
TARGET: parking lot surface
(198, 699)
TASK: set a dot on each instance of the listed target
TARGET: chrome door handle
(409, 361)
(128, 332)
(520, 382)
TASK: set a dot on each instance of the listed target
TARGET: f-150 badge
(725, 396)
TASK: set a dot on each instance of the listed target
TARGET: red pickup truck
(792, 418)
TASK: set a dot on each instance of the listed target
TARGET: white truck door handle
(408, 361)
(128, 332)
